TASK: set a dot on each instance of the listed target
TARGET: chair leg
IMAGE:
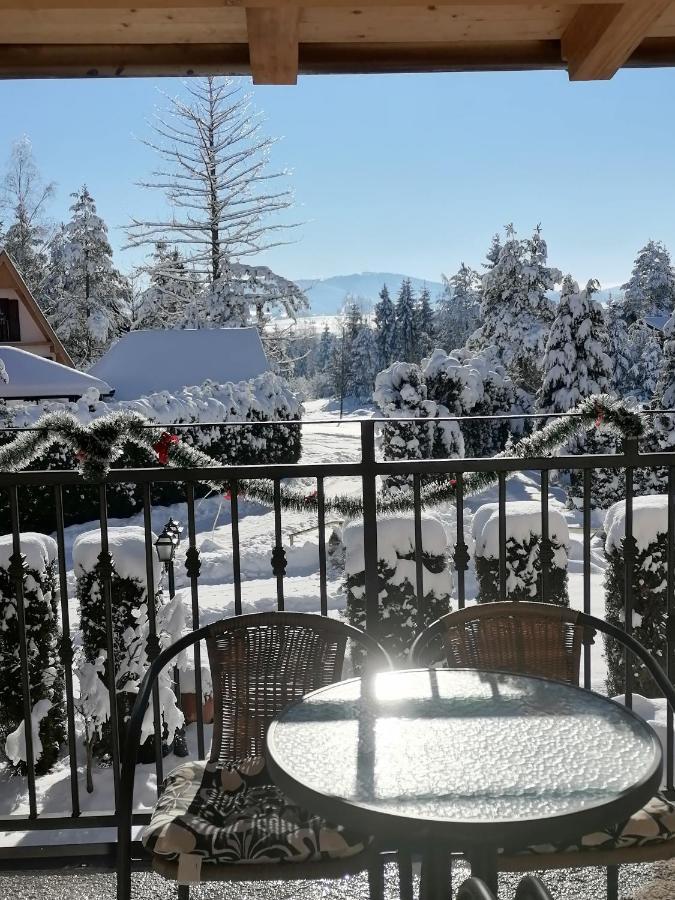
(183, 892)
(375, 879)
(612, 883)
(405, 876)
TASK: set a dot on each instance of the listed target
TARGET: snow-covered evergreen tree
(647, 352)
(401, 392)
(92, 294)
(474, 384)
(515, 310)
(665, 387)
(406, 333)
(494, 251)
(651, 288)
(425, 331)
(576, 363)
(363, 363)
(172, 289)
(576, 366)
(385, 329)
(621, 350)
(458, 309)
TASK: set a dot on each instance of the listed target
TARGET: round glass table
(464, 760)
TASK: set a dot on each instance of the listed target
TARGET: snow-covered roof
(146, 362)
(35, 377)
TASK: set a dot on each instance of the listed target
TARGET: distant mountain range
(327, 296)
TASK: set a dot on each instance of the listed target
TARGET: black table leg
(435, 876)
(483, 862)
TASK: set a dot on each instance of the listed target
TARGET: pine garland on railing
(99, 444)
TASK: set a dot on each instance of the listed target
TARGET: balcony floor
(647, 882)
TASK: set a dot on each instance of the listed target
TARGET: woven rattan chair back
(261, 663)
(522, 637)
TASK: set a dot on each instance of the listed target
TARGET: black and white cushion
(234, 814)
(652, 825)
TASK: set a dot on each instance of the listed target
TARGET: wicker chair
(217, 811)
(546, 639)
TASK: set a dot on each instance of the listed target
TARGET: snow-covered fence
(649, 586)
(523, 553)
(130, 633)
(397, 579)
(45, 668)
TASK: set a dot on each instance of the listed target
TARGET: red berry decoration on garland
(161, 448)
(310, 497)
(599, 418)
(453, 482)
(81, 456)
(227, 495)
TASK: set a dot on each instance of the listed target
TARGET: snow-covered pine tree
(385, 329)
(401, 392)
(621, 350)
(643, 375)
(406, 337)
(660, 434)
(576, 366)
(173, 287)
(321, 374)
(363, 363)
(665, 386)
(494, 251)
(458, 309)
(651, 288)
(576, 363)
(223, 199)
(425, 331)
(93, 301)
(515, 309)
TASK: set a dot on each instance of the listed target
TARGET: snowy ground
(329, 441)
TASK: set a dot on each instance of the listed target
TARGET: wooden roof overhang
(275, 40)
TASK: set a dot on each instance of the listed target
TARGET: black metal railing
(32, 852)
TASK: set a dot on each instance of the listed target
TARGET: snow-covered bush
(474, 384)
(523, 553)
(266, 397)
(401, 392)
(129, 603)
(397, 579)
(650, 568)
(45, 668)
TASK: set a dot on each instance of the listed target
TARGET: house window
(9, 319)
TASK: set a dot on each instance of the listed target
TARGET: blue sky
(401, 173)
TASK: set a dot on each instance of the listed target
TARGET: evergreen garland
(101, 443)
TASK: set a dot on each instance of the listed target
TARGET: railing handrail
(501, 417)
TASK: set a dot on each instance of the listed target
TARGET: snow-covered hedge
(129, 604)
(45, 668)
(397, 578)
(650, 568)
(264, 398)
(523, 553)
(401, 392)
(475, 384)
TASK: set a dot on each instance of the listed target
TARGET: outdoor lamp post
(165, 546)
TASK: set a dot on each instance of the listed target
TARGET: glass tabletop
(462, 747)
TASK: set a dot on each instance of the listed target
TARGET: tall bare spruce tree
(223, 199)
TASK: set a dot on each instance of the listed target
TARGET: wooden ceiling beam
(273, 44)
(602, 37)
(124, 6)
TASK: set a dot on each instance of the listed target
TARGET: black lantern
(165, 545)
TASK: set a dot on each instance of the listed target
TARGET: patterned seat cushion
(653, 824)
(236, 815)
